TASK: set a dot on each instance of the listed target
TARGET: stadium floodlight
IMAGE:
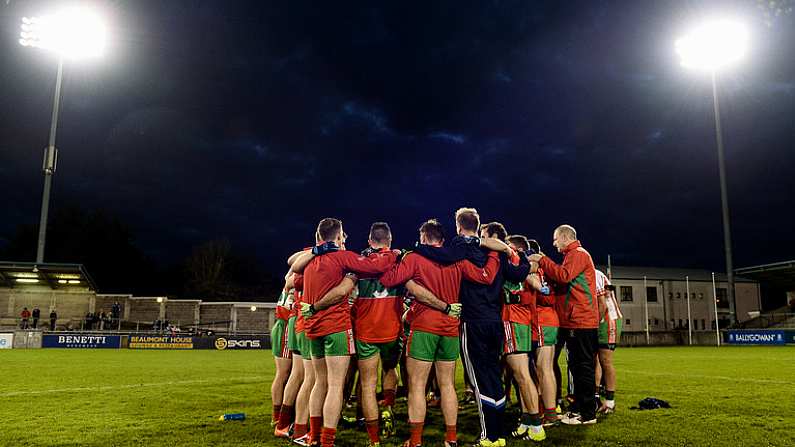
(73, 33)
(713, 45)
(159, 299)
(253, 308)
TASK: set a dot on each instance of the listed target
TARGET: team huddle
(494, 299)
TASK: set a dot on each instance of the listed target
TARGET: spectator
(101, 320)
(89, 321)
(36, 316)
(53, 319)
(25, 317)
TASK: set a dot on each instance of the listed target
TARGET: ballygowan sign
(760, 337)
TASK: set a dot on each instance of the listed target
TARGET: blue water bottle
(232, 417)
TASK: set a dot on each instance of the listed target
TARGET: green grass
(721, 396)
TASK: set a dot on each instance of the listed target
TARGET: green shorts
(389, 352)
(279, 340)
(303, 345)
(292, 341)
(517, 338)
(547, 336)
(431, 347)
(332, 345)
(609, 334)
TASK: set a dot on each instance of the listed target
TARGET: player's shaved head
(467, 219)
(432, 230)
(329, 229)
(567, 231)
(380, 233)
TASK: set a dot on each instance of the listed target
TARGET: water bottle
(232, 417)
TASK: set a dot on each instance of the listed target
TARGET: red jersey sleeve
(372, 265)
(565, 273)
(483, 275)
(298, 282)
(400, 272)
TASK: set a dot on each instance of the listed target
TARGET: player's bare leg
(302, 400)
(336, 368)
(530, 426)
(545, 355)
(609, 372)
(277, 386)
(368, 378)
(418, 371)
(445, 375)
(289, 397)
(389, 383)
(318, 397)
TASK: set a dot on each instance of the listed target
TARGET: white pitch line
(132, 385)
(702, 376)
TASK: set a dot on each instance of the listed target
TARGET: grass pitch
(50, 397)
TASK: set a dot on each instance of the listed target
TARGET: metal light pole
(710, 47)
(724, 199)
(49, 164)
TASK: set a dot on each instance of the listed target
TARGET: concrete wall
(215, 312)
(182, 312)
(257, 321)
(145, 310)
(71, 304)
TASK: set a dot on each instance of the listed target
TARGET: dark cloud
(251, 121)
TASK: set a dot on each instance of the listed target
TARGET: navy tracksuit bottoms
(482, 345)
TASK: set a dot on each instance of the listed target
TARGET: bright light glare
(253, 308)
(72, 33)
(713, 45)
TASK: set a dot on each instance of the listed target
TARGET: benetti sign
(81, 341)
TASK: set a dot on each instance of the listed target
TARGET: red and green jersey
(579, 308)
(546, 313)
(521, 312)
(377, 310)
(612, 309)
(323, 274)
(284, 305)
(444, 281)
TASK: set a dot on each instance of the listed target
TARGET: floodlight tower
(711, 47)
(75, 33)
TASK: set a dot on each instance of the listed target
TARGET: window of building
(703, 324)
(723, 298)
(626, 293)
(651, 294)
(670, 295)
(680, 322)
(701, 296)
(656, 322)
(693, 295)
(628, 321)
(673, 323)
(678, 295)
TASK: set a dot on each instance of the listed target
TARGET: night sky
(252, 120)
